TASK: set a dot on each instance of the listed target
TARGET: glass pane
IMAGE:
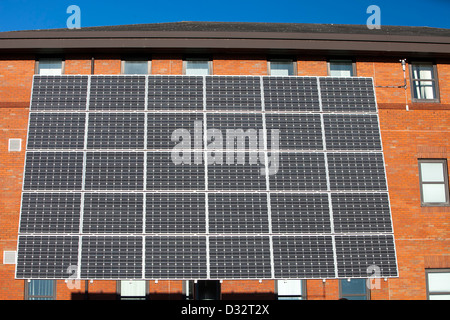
(439, 282)
(422, 71)
(354, 286)
(40, 288)
(50, 66)
(289, 298)
(440, 297)
(289, 287)
(432, 172)
(341, 69)
(356, 298)
(132, 288)
(135, 67)
(424, 90)
(281, 68)
(434, 193)
(198, 68)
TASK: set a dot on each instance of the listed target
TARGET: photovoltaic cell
(56, 131)
(50, 213)
(233, 93)
(114, 171)
(365, 255)
(175, 213)
(167, 171)
(291, 94)
(357, 171)
(298, 171)
(53, 171)
(361, 212)
(240, 257)
(239, 173)
(175, 93)
(166, 131)
(111, 257)
(170, 257)
(238, 213)
(113, 213)
(295, 131)
(352, 132)
(300, 213)
(46, 257)
(347, 94)
(303, 257)
(117, 93)
(66, 93)
(116, 131)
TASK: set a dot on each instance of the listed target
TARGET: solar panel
(46, 257)
(169, 257)
(111, 257)
(50, 213)
(238, 213)
(53, 171)
(175, 213)
(240, 257)
(51, 131)
(116, 131)
(204, 177)
(63, 93)
(113, 213)
(117, 93)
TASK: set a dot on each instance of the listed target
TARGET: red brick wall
(423, 132)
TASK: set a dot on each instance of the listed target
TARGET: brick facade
(421, 233)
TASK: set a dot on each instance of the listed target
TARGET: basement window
(433, 177)
(353, 289)
(424, 84)
(290, 289)
(40, 290)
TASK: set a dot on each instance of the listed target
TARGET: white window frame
(444, 182)
(434, 80)
(290, 289)
(436, 294)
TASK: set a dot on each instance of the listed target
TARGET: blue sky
(47, 14)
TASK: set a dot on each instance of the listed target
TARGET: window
(433, 182)
(290, 290)
(281, 68)
(135, 67)
(197, 67)
(207, 290)
(341, 68)
(133, 289)
(50, 66)
(424, 85)
(40, 290)
(15, 145)
(354, 289)
(438, 284)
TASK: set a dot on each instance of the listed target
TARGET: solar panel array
(204, 177)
